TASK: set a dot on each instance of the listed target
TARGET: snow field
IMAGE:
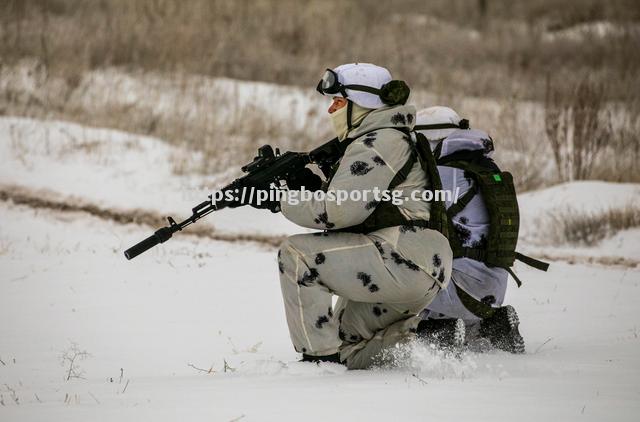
(160, 330)
(204, 303)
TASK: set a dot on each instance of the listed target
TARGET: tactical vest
(386, 214)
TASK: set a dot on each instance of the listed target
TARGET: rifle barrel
(158, 237)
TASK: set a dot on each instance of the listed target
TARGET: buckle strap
(480, 254)
(515, 277)
(532, 262)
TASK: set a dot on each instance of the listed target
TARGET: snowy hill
(115, 170)
(585, 207)
(195, 328)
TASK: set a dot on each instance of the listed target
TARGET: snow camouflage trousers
(380, 289)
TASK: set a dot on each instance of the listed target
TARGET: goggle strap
(363, 88)
(343, 89)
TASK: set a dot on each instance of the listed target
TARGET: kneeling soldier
(483, 232)
(385, 262)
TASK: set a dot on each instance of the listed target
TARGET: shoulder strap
(463, 201)
(438, 213)
(386, 214)
(404, 171)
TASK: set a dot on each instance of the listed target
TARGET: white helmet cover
(363, 74)
(435, 116)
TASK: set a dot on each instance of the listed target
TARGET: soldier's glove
(307, 178)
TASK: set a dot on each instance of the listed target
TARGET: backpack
(501, 202)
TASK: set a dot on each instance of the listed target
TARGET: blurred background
(555, 83)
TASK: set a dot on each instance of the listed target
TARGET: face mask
(339, 119)
(339, 122)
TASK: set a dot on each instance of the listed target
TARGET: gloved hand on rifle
(307, 178)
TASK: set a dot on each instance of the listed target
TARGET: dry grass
(502, 51)
(217, 125)
(578, 126)
(219, 131)
(496, 48)
(589, 229)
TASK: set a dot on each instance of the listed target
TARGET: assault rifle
(267, 168)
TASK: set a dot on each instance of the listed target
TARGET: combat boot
(501, 329)
(444, 333)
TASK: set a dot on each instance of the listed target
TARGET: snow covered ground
(115, 170)
(195, 329)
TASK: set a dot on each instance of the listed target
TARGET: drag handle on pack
(160, 236)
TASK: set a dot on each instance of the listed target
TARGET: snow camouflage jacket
(371, 161)
(472, 223)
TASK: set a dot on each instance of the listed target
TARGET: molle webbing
(499, 196)
(504, 218)
(500, 199)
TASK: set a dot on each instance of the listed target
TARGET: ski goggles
(464, 124)
(329, 85)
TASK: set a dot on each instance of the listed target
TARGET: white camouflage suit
(382, 279)
(484, 283)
